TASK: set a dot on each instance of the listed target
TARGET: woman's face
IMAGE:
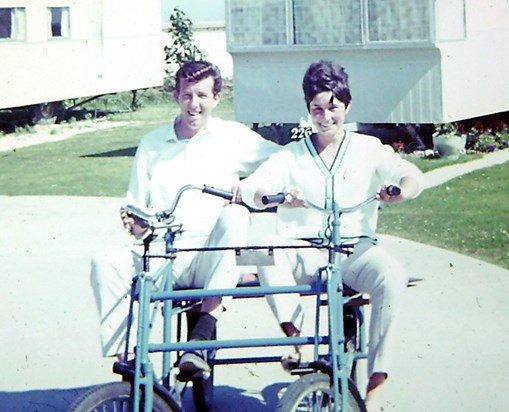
(328, 115)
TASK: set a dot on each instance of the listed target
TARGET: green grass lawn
(89, 164)
(468, 215)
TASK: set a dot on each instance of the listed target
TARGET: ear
(217, 98)
(176, 95)
(347, 108)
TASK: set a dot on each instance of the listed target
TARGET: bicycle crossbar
(239, 249)
(251, 359)
(236, 343)
(251, 291)
(266, 359)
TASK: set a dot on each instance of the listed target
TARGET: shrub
(182, 46)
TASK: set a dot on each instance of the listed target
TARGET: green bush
(182, 46)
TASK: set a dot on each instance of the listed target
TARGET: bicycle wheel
(116, 397)
(313, 392)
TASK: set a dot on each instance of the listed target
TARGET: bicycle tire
(312, 390)
(116, 396)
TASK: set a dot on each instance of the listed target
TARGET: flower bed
(484, 135)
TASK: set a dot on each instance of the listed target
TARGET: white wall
(213, 42)
(114, 45)
(268, 86)
(476, 72)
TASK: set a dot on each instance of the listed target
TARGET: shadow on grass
(226, 399)
(126, 152)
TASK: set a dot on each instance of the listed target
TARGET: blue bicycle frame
(145, 292)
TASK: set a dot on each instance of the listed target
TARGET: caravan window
(58, 22)
(327, 22)
(12, 23)
(291, 23)
(398, 20)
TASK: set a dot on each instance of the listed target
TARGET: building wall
(269, 89)
(113, 45)
(461, 70)
(475, 72)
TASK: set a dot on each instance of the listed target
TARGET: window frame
(64, 25)
(18, 24)
(364, 43)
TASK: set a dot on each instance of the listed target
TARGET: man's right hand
(135, 227)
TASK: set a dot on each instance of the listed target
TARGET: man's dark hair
(196, 70)
(326, 76)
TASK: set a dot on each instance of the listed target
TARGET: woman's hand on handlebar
(294, 197)
(407, 188)
(290, 197)
(390, 194)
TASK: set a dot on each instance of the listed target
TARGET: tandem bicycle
(324, 384)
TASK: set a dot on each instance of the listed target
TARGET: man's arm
(251, 148)
(138, 192)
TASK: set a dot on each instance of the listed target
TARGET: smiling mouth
(326, 126)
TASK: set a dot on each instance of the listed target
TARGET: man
(197, 149)
(333, 165)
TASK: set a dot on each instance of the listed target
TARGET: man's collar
(171, 135)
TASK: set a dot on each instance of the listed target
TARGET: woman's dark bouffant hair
(326, 76)
(196, 70)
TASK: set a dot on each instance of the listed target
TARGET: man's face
(196, 101)
(327, 115)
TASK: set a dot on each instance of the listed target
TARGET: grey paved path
(451, 351)
(439, 176)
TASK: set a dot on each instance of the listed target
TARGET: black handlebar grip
(218, 192)
(392, 190)
(278, 198)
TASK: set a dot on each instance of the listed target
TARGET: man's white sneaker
(192, 366)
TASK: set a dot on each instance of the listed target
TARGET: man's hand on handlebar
(135, 226)
(237, 195)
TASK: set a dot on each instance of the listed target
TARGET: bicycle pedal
(192, 376)
(302, 370)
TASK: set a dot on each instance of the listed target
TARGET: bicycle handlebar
(277, 198)
(218, 192)
(167, 214)
(391, 190)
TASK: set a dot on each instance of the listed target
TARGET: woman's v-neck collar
(337, 159)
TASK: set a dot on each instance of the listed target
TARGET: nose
(193, 100)
(327, 115)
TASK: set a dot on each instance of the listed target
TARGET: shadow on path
(44, 400)
(226, 399)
